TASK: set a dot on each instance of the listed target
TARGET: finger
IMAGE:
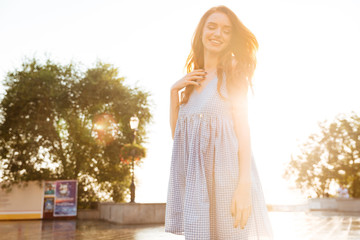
(202, 72)
(199, 77)
(246, 214)
(192, 83)
(233, 209)
(198, 70)
(198, 73)
(194, 78)
(244, 218)
(238, 217)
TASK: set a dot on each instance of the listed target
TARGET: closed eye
(227, 30)
(212, 26)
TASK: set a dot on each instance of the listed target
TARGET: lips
(215, 42)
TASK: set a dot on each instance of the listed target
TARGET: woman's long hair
(237, 61)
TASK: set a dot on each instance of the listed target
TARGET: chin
(214, 50)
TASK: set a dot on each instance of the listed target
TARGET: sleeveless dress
(204, 173)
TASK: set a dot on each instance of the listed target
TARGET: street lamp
(134, 123)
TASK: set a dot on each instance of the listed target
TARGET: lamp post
(134, 123)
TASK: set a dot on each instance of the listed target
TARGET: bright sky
(308, 66)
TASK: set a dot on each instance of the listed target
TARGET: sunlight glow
(105, 129)
(307, 70)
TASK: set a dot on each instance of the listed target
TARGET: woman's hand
(241, 204)
(192, 78)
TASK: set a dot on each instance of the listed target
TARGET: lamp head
(134, 122)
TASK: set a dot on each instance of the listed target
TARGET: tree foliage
(332, 155)
(50, 127)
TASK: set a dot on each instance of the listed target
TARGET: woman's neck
(210, 61)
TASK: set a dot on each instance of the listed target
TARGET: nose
(217, 32)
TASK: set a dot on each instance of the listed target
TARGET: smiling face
(216, 33)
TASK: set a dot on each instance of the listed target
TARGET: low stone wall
(327, 204)
(348, 205)
(334, 204)
(152, 213)
(288, 208)
(133, 213)
(88, 214)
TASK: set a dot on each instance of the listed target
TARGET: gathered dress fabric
(204, 173)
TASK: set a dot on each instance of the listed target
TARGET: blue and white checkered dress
(204, 173)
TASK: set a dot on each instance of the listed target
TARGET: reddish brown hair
(237, 61)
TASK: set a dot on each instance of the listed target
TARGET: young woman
(214, 191)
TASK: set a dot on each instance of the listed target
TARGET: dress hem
(175, 232)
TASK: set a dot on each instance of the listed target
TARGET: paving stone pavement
(286, 226)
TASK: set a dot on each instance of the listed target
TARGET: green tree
(61, 123)
(333, 154)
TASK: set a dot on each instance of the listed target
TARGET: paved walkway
(286, 226)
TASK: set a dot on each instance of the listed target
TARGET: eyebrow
(227, 26)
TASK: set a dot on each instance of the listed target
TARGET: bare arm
(241, 201)
(241, 125)
(174, 110)
(192, 78)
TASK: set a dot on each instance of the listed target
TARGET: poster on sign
(49, 205)
(65, 198)
(49, 188)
